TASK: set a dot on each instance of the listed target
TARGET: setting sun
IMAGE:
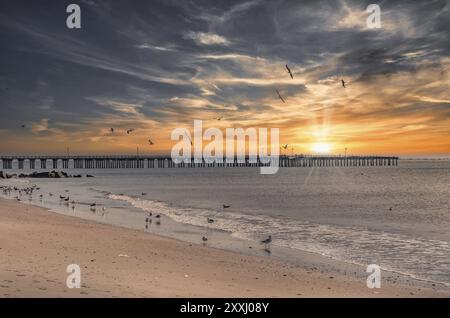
(322, 148)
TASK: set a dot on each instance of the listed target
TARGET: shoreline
(37, 245)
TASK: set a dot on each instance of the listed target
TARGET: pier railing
(144, 161)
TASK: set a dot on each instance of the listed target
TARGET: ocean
(397, 217)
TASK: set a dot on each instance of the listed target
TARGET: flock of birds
(20, 193)
(292, 77)
(148, 221)
(27, 192)
(129, 131)
(210, 220)
(151, 142)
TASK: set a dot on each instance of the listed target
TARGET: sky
(159, 65)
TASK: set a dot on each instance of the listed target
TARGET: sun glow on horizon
(321, 148)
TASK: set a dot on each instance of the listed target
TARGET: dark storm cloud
(152, 54)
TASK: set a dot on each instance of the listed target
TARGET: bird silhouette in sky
(150, 142)
(130, 131)
(289, 71)
(279, 95)
(343, 83)
(285, 146)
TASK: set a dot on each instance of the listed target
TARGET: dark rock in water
(61, 174)
(39, 175)
(89, 176)
(77, 176)
(51, 174)
(4, 175)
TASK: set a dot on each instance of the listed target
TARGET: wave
(418, 258)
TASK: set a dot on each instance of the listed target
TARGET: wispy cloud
(206, 38)
(129, 67)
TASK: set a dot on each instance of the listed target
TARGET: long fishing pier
(143, 161)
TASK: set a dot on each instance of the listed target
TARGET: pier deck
(143, 161)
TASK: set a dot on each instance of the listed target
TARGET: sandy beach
(36, 246)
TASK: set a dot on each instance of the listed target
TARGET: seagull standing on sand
(289, 71)
(279, 95)
(266, 242)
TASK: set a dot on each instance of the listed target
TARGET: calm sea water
(396, 217)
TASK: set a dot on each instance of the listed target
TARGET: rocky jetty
(51, 174)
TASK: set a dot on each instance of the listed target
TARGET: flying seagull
(23, 126)
(279, 95)
(130, 131)
(289, 71)
(285, 146)
(150, 142)
(343, 83)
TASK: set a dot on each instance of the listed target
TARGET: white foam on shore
(418, 258)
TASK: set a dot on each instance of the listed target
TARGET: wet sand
(36, 246)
